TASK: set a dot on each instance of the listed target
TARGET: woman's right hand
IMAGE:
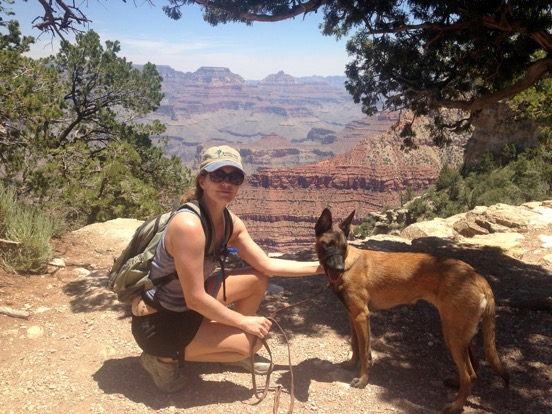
(256, 325)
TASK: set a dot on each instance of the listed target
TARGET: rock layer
(280, 206)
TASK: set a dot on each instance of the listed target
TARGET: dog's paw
(360, 382)
(453, 408)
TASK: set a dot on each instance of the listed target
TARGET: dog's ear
(346, 224)
(324, 223)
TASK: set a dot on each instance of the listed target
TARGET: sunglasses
(235, 177)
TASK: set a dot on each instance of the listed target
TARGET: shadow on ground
(408, 343)
(113, 378)
(410, 356)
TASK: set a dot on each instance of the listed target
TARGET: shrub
(30, 228)
(366, 228)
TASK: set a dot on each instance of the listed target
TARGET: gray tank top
(170, 295)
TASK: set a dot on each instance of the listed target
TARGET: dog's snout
(335, 262)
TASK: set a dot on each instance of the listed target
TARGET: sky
(146, 34)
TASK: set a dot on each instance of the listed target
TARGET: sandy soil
(75, 352)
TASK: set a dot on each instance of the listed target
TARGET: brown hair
(194, 193)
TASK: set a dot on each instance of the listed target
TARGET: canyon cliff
(280, 205)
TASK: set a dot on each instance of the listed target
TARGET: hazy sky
(146, 34)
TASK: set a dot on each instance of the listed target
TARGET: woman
(189, 318)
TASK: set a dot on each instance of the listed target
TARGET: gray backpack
(129, 276)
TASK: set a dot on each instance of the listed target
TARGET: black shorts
(166, 334)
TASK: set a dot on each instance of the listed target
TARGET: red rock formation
(280, 205)
(494, 128)
(319, 121)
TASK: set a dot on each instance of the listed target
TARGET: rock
(494, 129)
(469, 228)
(274, 289)
(509, 242)
(512, 229)
(546, 241)
(57, 262)
(120, 228)
(81, 271)
(433, 228)
(35, 332)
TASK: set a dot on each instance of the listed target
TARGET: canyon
(280, 205)
(212, 106)
(306, 145)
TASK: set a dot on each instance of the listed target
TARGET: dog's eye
(327, 245)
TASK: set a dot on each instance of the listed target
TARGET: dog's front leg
(353, 360)
(361, 324)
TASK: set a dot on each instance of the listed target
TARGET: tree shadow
(91, 294)
(514, 282)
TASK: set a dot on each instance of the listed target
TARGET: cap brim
(219, 164)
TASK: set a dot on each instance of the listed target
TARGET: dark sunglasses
(236, 177)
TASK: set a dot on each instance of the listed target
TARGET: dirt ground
(75, 352)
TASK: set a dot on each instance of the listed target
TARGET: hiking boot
(166, 376)
(261, 367)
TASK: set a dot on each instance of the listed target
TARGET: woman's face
(222, 184)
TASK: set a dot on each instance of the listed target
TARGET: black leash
(265, 344)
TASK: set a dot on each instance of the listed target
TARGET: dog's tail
(489, 327)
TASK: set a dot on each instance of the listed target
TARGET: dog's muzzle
(333, 266)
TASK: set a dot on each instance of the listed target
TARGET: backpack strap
(221, 254)
(228, 226)
(194, 207)
(208, 228)
(206, 223)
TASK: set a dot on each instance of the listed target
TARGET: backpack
(129, 275)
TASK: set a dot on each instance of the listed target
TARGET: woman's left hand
(256, 325)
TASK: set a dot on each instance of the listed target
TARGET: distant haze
(214, 105)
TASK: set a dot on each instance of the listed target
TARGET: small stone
(34, 332)
(57, 262)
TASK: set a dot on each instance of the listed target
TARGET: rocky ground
(75, 352)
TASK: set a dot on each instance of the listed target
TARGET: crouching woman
(188, 319)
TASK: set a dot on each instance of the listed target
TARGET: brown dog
(368, 281)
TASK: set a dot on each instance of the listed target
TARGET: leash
(271, 368)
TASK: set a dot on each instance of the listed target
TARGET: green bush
(7, 204)
(365, 229)
(30, 228)
(512, 177)
(421, 208)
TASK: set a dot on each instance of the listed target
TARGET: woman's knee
(253, 278)
(252, 346)
(262, 278)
